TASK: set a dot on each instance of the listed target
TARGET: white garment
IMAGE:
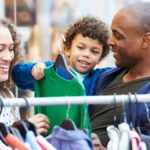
(10, 114)
(114, 137)
(4, 147)
(124, 142)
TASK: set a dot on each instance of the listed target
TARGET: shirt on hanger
(14, 142)
(69, 139)
(53, 85)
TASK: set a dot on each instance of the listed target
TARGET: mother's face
(6, 53)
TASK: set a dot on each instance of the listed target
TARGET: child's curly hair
(8, 24)
(88, 27)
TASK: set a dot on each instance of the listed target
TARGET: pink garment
(44, 144)
(135, 140)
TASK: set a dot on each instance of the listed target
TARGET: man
(130, 44)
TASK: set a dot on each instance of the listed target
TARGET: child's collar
(79, 75)
(77, 72)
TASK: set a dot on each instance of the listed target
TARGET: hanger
(15, 132)
(130, 110)
(85, 117)
(26, 101)
(24, 109)
(115, 117)
(137, 115)
(28, 124)
(1, 104)
(31, 127)
(2, 138)
(124, 112)
(22, 127)
(67, 123)
(4, 131)
(148, 117)
(61, 62)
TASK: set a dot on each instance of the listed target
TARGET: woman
(9, 55)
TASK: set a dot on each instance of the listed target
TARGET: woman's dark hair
(10, 26)
(88, 27)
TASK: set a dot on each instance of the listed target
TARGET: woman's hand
(41, 122)
(97, 143)
(38, 71)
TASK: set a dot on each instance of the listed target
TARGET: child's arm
(22, 75)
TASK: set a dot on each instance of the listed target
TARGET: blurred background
(40, 22)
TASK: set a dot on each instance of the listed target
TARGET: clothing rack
(42, 101)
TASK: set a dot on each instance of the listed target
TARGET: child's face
(84, 54)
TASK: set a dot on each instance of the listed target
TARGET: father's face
(125, 41)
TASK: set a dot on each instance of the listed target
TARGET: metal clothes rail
(42, 101)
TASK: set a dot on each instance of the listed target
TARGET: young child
(85, 45)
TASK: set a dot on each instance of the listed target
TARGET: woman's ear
(146, 40)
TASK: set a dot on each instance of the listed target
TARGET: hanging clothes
(14, 142)
(69, 139)
(53, 85)
(4, 147)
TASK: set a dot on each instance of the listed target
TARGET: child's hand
(41, 122)
(38, 71)
(97, 143)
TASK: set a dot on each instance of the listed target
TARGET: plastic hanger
(31, 127)
(27, 102)
(137, 115)
(4, 131)
(148, 117)
(22, 127)
(1, 104)
(24, 109)
(15, 132)
(124, 113)
(130, 110)
(67, 123)
(61, 62)
(147, 124)
(115, 117)
(85, 117)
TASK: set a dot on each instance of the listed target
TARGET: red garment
(14, 142)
